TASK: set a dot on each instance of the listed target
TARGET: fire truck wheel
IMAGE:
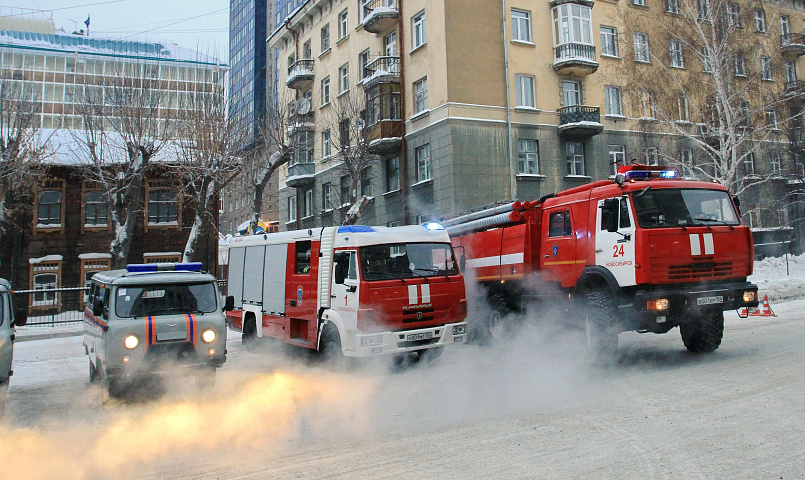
(330, 344)
(94, 374)
(704, 334)
(600, 315)
(428, 355)
(205, 378)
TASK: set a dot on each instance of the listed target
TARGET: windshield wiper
(171, 310)
(641, 192)
(713, 220)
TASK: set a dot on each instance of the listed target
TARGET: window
(749, 163)
(343, 24)
(740, 65)
(704, 9)
(345, 189)
(613, 101)
(572, 23)
(292, 208)
(307, 51)
(41, 283)
(785, 29)
(393, 174)
(651, 156)
(675, 53)
(423, 171)
(90, 265)
(734, 15)
(163, 207)
(648, 104)
(326, 200)
(527, 157)
(302, 257)
(686, 161)
(574, 156)
(707, 66)
(672, 6)
(682, 105)
(95, 209)
(418, 29)
(325, 90)
(760, 20)
(559, 224)
(790, 71)
(421, 95)
(343, 79)
(571, 93)
(745, 113)
(326, 147)
(49, 209)
(325, 38)
(771, 119)
(609, 42)
(366, 181)
(776, 165)
(363, 61)
(307, 207)
(765, 69)
(641, 52)
(521, 26)
(617, 157)
(525, 91)
(344, 133)
(639, 3)
(390, 44)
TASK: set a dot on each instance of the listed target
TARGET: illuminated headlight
(372, 341)
(131, 341)
(459, 329)
(750, 296)
(659, 304)
(208, 336)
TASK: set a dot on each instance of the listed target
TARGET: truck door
(558, 246)
(615, 251)
(345, 287)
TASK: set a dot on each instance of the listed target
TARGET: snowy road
(527, 409)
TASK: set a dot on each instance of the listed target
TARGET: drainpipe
(297, 192)
(404, 143)
(512, 182)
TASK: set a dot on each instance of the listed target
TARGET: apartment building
(470, 102)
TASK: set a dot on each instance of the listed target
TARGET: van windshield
(407, 260)
(674, 207)
(165, 299)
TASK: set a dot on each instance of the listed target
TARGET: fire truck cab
(353, 290)
(648, 252)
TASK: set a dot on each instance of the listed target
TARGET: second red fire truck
(352, 290)
(648, 251)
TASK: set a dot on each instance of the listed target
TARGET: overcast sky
(193, 24)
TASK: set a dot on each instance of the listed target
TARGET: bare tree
(126, 124)
(209, 141)
(22, 149)
(705, 78)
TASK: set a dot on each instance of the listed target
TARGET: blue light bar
(648, 174)
(433, 226)
(355, 229)
(163, 267)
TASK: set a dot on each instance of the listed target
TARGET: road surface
(529, 408)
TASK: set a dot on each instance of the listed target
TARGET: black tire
(249, 335)
(3, 396)
(600, 317)
(330, 345)
(491, 328)
(205, 378)
(429, 355)
(116, 387)
(95, 376)
(703, 334)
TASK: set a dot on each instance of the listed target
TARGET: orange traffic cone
(765, 309)
(743, 312)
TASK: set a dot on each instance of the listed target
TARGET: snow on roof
(90, 256)
(160, 254)
(66, 147)
(46, 258)
(104, 47)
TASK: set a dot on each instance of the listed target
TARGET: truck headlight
(372, 341)
(131, 341)
(208, 336)
(459, 329)
(750, 296)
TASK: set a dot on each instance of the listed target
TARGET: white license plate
(419, 336)
(710, 300)
(161, 337)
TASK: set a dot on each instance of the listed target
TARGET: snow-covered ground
(778, 282)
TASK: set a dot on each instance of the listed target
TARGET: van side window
(303, 257)
(559, 224)
(106, 292)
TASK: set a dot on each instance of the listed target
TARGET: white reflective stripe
(695, 246)
(412, 295)
(425, 293)
(496, 260)
(709, 248)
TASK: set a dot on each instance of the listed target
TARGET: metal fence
(52, 306)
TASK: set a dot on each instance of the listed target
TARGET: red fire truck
(648, 251)
(356, 290)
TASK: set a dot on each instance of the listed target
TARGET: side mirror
(229, 303)
(737, 202)
(97, 308)
(609, 215)
(20, 312)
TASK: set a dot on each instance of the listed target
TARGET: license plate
(710, 300)
(419, 336)
(161, 337)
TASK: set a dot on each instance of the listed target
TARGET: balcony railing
(381, 70)
(793, 44)
(575, 58)
(380, 15)
(300, 174)
(300, 74)
(794, 88)
(580, 120)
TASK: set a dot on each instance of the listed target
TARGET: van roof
(124, 277)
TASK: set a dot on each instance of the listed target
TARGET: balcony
(301, 174)
(575, 59)
(381, 70)
(792, 44)
(300, 117)
(380, 16)
(384, 137)
(300, 75)
(580, 121)
(794, 91)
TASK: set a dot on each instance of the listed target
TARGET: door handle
(547, 255)
(333, 296)
(599, 251)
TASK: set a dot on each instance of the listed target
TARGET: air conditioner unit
(303, 106)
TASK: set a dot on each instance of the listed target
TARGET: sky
(194, 24)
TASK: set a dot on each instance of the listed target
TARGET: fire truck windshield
(673, 207)
(164, 299)
(407, 260)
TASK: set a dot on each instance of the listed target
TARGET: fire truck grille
(413, 316)
(699, 271)
(417, 343)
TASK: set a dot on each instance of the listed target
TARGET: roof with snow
(104, 47)
(66, 147)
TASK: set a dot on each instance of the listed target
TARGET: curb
(45, 336)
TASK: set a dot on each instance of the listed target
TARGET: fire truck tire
(600, 315)
(490, 328)
(205, 378)
(94, 374)
(428, 355)
(330, 344)
(704, 335)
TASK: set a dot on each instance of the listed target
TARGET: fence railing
(52, 306)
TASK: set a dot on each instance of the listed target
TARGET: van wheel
(94, 374)
(115, 387)
(249, 336)
(3, 396)
(600, 315)
(703, 334)
(205, 378)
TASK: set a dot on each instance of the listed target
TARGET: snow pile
(773, 280)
